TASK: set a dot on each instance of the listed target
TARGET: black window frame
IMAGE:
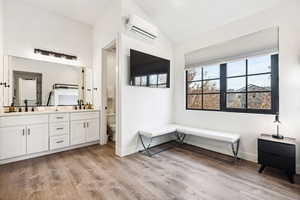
(202, 91)
(223, 89)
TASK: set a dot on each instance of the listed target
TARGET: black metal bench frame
(147, 148)
(179, 141)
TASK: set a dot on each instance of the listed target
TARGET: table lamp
(277, 122)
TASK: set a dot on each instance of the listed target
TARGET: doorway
(109, 121)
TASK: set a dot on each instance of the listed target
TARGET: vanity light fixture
(54, 54)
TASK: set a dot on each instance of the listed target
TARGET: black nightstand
(277, 153)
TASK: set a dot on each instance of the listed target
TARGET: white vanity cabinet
(59, 130)
(21, 135)
(84, 127)
(12, 141)
(37, 138)
(28, 135)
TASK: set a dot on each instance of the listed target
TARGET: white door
(78, 132)
(12, 142)
(37, 138)
(92, 133)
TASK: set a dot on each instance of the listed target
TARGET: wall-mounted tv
(148, 70)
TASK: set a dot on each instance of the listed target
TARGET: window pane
(236, 84)
(261, 64)
(259, 83)
(236, 100)
(211, 72)
(162, 78)
(194, 101)
(144, 81)
(195, 87)
(162, 86)
(153, 79)
(194, 74)
(261, 100)
(236, 68)
(211, 86)
(211, 101)
(137, 80)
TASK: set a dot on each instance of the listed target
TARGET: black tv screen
(148, 70)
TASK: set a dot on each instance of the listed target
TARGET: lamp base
(278, 136)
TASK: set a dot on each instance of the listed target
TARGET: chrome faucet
(26, 105)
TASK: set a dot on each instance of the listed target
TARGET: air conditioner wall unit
(141, 26)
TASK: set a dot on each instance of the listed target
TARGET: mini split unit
(141, 26)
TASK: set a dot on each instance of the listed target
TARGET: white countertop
(46, 112)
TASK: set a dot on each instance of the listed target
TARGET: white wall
(141, 107)
(52, 73)
(111, 74)
(28, 27)
(1, 54)
(105, 31)
(249, 125)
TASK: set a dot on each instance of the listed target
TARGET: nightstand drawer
(276, 161)
(276, 148)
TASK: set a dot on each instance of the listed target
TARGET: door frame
(114, 43)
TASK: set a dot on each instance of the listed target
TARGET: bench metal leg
(235, 150)
(146, 148)
(180, 137)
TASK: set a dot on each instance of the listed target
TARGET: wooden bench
(182, 131)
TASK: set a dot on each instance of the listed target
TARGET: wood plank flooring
(96, 173)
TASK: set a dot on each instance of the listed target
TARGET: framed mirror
(40, 83)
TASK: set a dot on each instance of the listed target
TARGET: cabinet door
(78, 132)
(37, 138)
(92, 133)
(12, 142)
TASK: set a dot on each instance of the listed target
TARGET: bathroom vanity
(28, 135)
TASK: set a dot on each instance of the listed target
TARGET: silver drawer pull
(58, 142)
(59, 129)
(59, 117)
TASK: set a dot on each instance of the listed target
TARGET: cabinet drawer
(277, 148)
(59, 129)
(276, 161)
(23, 120)
(84, 115)
(62, 117)
(57, 142)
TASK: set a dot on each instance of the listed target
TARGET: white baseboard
(35, 155)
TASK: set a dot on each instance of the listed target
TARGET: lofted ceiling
(85, 11)
(181, 20)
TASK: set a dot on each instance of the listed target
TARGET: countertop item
(46, 112)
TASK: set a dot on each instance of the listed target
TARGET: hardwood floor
(95, 173)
